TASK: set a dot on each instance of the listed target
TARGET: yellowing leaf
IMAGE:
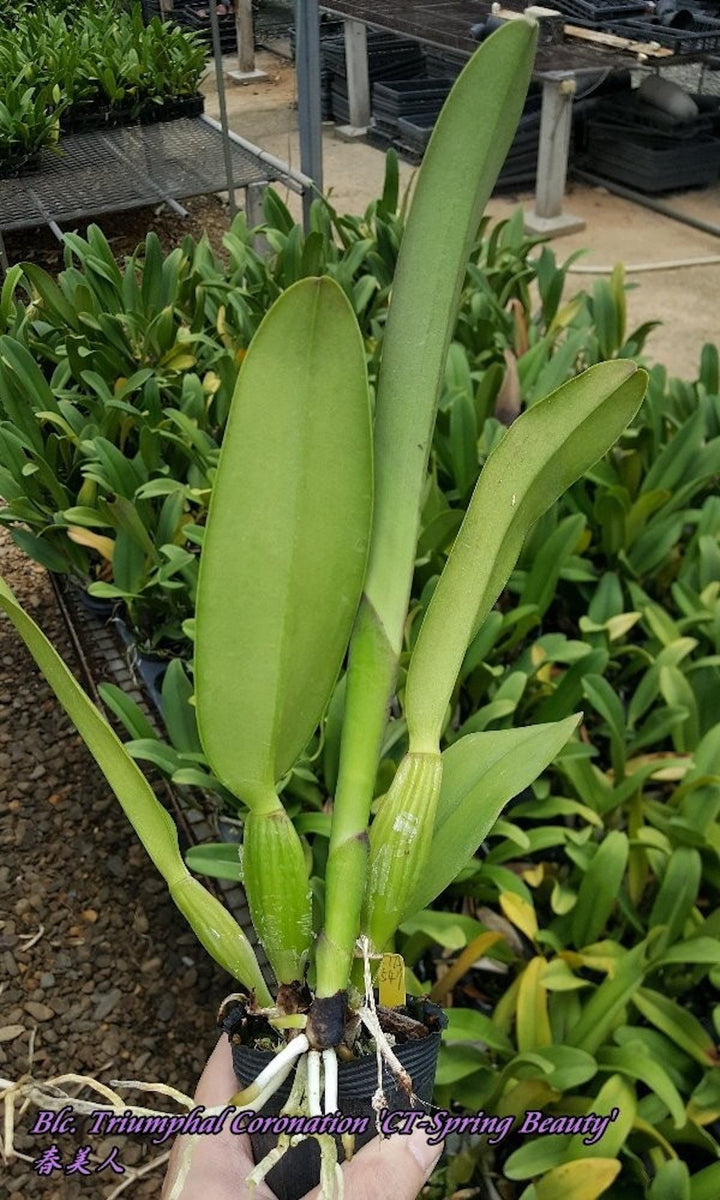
(105, 546)
(618, 626)
(520, 913)
(580, 1180)
(210, 383)
(180, 362)
(532, 1020)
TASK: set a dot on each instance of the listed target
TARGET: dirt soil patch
(125, 231)
(100, 974)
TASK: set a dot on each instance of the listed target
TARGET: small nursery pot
(99, 606)
(14, 165)
(298, 1171)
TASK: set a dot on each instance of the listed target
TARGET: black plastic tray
(649, 164)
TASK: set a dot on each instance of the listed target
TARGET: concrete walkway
(685, 298)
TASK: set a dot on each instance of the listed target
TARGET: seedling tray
(630, 113)
(598, 14)
(385, 53)
(703, 38)
(420, 97)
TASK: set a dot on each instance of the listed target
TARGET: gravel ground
(115, 985)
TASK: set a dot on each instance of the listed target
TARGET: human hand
(396, 1166)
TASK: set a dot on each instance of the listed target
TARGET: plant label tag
(391, 980)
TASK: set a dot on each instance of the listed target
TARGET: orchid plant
(306, 569)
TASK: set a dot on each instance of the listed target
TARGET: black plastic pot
(19, 164)
(149, 668)
(118, 117)
(298, 1171)
(99, 606)
(79, 118)
(173, 109)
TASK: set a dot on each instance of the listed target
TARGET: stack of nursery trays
(643, 147)
(444, 63)
(414, 130)
(414, 102)
(520, 167)
(195, 15)
(389, 58)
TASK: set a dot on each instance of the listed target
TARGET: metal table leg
(555, 125)
(307, 23)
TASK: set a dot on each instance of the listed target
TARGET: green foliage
(88, 62)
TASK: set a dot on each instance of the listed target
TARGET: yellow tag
(391, 980)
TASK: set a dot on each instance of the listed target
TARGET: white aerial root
(272, 1158)
(330, 1066)
(274, 1086)
(287, 1055)
(313, 1083)
(304, 1100)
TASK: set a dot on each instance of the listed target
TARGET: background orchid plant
(306, 569)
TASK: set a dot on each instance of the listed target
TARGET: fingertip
(217, 1082)
(425, 1153)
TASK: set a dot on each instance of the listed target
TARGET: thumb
(397, 1166)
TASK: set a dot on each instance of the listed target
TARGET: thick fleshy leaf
(676, 1023)
(459, 170)
(632, 1059)
(286, 544)
(481, 773)
(221, 936)
(671, 1182)
(542, 453)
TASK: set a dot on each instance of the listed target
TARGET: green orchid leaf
(542, 453)
(671, 1182)
(178, 710)
(125, 709)
(705, 1185)
(632, 1059)
(603, 1011)
(599, 889)
(219, 860)
(676, 1023)
(459, 170)
(221, 936)
(287, 536)
(481, 772)
(468, 1025)
(678, 891)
